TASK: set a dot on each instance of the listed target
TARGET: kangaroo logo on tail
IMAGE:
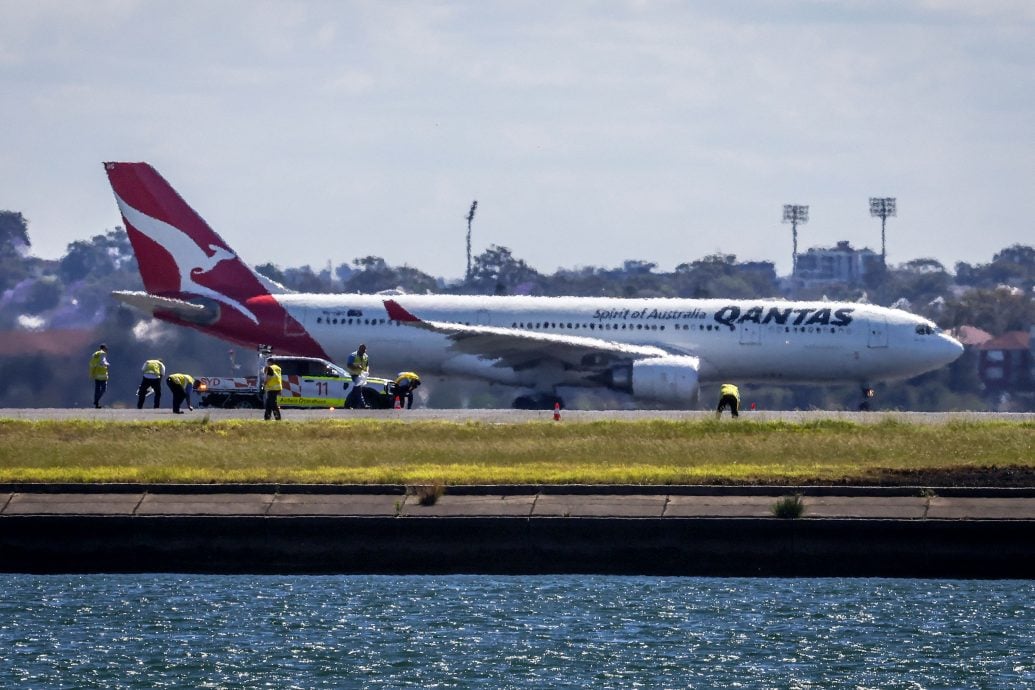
(191, 259)
(180, 256)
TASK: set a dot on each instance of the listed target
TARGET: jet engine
(666, 379)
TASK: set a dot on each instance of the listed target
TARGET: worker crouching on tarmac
(152, 372)
(405, 383)
(180, 385)
(273, 385)
(729, 397)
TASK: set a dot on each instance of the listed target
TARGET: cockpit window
(924, 329)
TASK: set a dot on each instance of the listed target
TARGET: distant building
(971, 336)
(1006, 363)
(836, 265)
(765, 270)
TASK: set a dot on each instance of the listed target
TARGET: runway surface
(504, 416)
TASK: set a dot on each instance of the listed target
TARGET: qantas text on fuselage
(656, 349)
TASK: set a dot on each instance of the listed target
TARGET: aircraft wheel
(524, 402)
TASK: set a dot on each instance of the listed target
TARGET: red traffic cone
(398, 403)
(557, 412)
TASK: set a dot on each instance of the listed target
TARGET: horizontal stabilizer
(188, 311)
(272, 286)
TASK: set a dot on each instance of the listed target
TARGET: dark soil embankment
(1014, 476)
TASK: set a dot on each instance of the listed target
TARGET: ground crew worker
(729, 397)
(273, 385)
(99, 373)
(153, 372)
(181, 385)
(358, 364)
(405, 383)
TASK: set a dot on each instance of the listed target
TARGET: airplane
(655, 349)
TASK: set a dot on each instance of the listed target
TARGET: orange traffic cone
(557, 412)
(398, 403)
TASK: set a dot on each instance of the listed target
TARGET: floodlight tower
(883, 208)
(794, 214)
(470, 218)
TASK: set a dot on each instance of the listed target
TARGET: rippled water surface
(150, 631)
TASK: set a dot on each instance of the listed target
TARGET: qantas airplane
(659, 350)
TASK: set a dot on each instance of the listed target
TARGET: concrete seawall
(702, 546)
(948, 533)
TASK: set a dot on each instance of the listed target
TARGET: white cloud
(153, 331)
(29, 322)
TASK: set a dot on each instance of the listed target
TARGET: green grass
(606, 452)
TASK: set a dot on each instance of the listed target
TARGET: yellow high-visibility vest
(98, 370)
(357, 363)
(406, 376)
(153, 367)
(274, 382)
(183, 380)
(729, 389)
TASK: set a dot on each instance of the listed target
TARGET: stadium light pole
(470, 218)
(794, 214)
(883, 207)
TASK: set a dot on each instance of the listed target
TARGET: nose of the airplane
(950, 348)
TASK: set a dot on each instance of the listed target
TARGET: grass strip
(540, 452)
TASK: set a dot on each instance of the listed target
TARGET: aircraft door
(878, 336)
(750, 333)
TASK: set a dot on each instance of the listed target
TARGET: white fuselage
(741, 340)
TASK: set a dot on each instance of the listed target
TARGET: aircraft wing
(152, 304)
(519, 349)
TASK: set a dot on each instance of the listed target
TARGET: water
(181, 631)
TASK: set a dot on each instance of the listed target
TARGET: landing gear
(542, 401)
(867, 398)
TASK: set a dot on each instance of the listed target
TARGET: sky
(590, 133)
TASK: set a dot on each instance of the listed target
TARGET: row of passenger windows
(349, 322)
(539, 325)
(678, 326)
